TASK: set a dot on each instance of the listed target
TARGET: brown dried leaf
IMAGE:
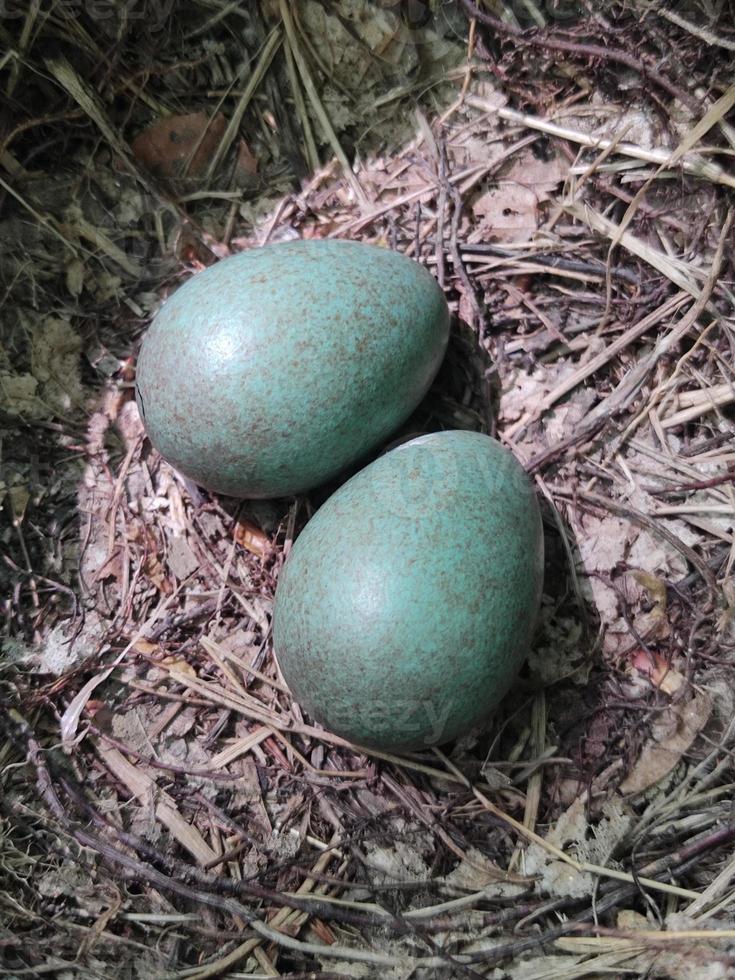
(246, 165)
(179, 664)
(252, 538)
(112, 568)
(181, 559)
(661, 674)
(673, 733)
(654, 623)
(509, 212)
(154, 570)
(151, 563)
(145, 647)
(179, 146)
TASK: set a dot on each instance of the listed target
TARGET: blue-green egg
(271, 371)
(407, 604)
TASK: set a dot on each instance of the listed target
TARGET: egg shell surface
(272, 370)
(406, 606)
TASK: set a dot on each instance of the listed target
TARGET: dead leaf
(179, 146)
(662, 675)
(252, 538)
(673, 734)
(151, 563)
(509, 211)
(180, 665)
(181, 559)
(145, 647)
(246, 166)
(653, 624)
(541, 175)
(112, 568)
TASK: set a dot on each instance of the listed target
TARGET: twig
(632, 382)
(655, 526)
(715, 481)
(318, 106)
(547, 261)
(709, 37)
(697, 167)
(441, 207)
(312, 155)
(255, 78)
(557, 852)
(591, 367)
(459, 266)
(551, 43)
(709, 399)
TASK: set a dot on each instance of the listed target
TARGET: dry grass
(166, 808)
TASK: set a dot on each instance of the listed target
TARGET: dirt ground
(565, 170)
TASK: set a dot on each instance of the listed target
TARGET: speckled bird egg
(271, 371)
(406, 606)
